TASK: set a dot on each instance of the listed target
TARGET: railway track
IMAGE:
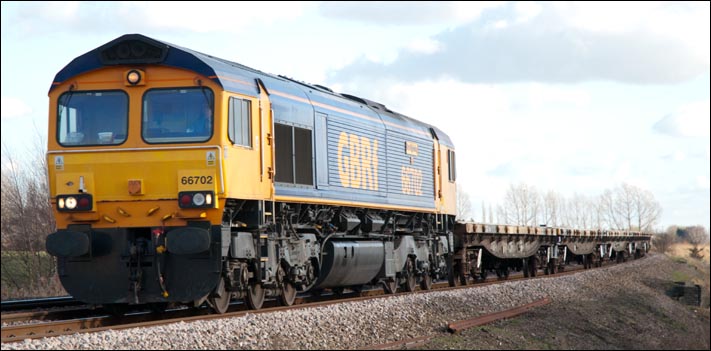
(94, 320)
(44, 303)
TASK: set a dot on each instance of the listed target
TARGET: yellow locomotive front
(136, 178)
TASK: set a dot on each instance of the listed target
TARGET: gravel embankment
(350, 325)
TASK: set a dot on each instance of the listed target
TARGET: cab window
(452, 166)
(86, 118)
(183, 115)
(240, 122)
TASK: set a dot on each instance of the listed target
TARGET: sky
(571, 97)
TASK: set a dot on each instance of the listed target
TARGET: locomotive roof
(137, 49)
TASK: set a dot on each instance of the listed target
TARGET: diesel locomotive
(177, 177)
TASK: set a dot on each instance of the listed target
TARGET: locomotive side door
(266, 143)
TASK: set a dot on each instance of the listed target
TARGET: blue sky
(572, 97)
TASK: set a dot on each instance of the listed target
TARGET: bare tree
(464, 204)
(664, 240)
(696, 236)
(579, 212)
(27, 218)
(550, 209)
(522, 205)
(647, 209)
(502, 215)
(483, 212)
(598, 218)
(607, 204)
(624, 205)
(630, 207)
(491, 215)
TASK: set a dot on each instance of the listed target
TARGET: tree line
(624, 207)
(25, 222)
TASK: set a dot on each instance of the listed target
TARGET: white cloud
(702, 182)
(690, 120)
(676, 156)
(681, 21)
(14, 108)
(207, 16)
(526, 10)
(424, 46)
(131, 17)
(392, 13)
(516, 43)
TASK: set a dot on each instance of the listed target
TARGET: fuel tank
(348, 263)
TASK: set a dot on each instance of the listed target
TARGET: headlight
(199, 199)
(75, 202)
(133, 77)
(71, 203)
(196, 199)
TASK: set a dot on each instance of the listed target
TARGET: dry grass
(682, 250)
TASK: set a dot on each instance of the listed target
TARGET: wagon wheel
(461, 272)
(390, 286)
(219, 300)
(426, 281)
(502, 272)
(483, 272)
(526, 270)
(473, 273)
(255, 295)
(553, 266)
(288, 294)
(533, 266)
(409, 275)
(598, 260)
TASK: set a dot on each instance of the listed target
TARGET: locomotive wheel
(221, 302)
(255, 295)
(426, 281)
(288, 294)
(450, 270)
(409, 273)
(390, 286)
